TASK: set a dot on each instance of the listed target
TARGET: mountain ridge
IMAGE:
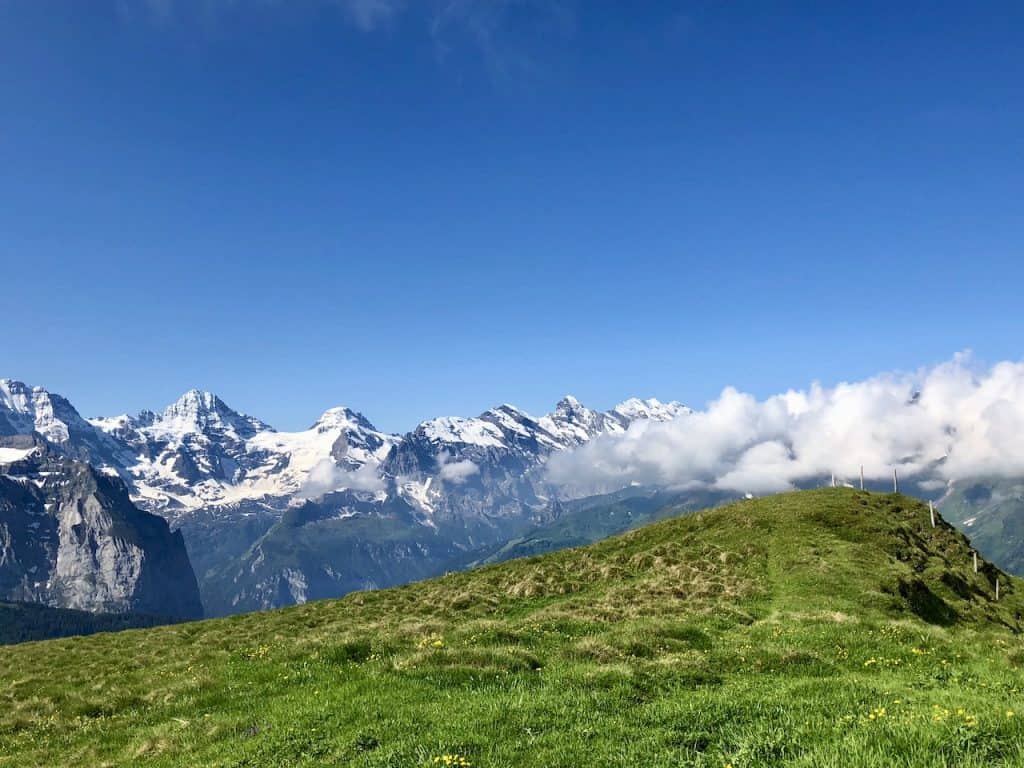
(451, 490)
(226, 479)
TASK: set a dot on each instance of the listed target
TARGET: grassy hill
(819, 628)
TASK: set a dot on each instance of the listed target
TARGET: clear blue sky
(427, 208)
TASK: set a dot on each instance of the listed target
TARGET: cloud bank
(941, 424)
(456, 472)
(327, 476)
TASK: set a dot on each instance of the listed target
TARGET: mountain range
(272, 518)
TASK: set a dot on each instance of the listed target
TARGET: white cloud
(369, 14)
(508, 35)
(945, 423)
(327, 476)
(456, 472)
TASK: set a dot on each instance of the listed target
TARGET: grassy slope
(822, 628)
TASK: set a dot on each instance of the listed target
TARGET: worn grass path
(820, 628)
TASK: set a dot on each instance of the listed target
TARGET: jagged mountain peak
(23, 398)
(342, 417)
(634, 408)
(458, 429)
(25, 409)
(197, 399)
(508, 408)
(507, 412)
(11, 387)
(572, 423)
(572, 411)
(569, 404)
(198, 411)
(199, 453)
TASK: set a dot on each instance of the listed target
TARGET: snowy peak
(25, 409)
(511, 421)
(343, 418)
(568, 404)
(569, 410)
(200, 454)
(341, 440)
(198, 411)
(572, 423)
(462, 431)
(186, 456)
(509, 428)
(195, 404)
(652, 409)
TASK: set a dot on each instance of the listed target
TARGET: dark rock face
(70, 537)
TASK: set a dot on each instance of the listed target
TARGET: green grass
(820, 628)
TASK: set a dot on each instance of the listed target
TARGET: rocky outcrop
(70, 537)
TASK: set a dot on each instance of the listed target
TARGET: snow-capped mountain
(26, 410)
(184, 456)
(269, 518)
(652, 409)
(199, 453)
(491, 466)
(241, 492)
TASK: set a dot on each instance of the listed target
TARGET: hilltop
(816, 628)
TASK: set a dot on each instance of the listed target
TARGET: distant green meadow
(819, 628)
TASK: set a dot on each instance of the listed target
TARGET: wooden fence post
(997, 588)
(975, 561)
(862, 477)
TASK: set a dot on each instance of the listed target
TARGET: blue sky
(427, 207)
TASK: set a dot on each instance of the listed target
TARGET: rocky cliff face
(70, 537)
